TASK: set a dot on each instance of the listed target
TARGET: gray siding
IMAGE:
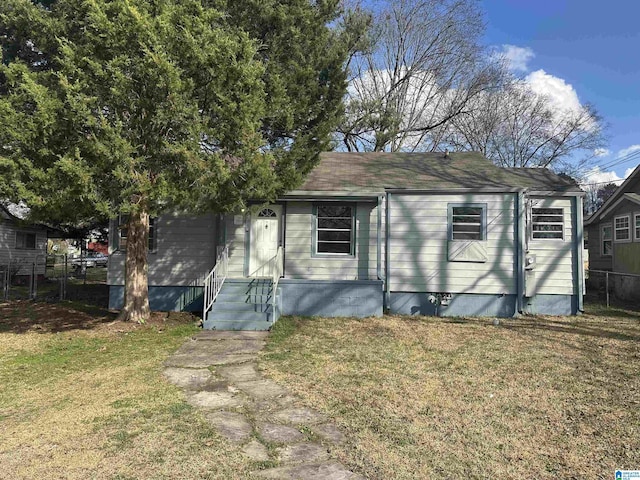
(235, 238)
(626, 255)
(596, 260)
(419, 246)
(186, 251)
(554, 269)
(301, 264)
(24, 257)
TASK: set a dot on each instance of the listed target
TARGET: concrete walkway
(219, 374)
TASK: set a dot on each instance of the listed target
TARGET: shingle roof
(377, 171)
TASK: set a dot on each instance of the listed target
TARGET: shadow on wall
(428, 271)
(346, 298)
(163, 298)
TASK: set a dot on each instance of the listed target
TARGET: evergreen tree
(138, 107)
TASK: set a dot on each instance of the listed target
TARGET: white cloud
(626, 151)
(517, 57)
(602, 152)
(596, 178)
(561, 94)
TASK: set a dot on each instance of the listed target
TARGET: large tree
(517, 127)
(424, 64)
(137, 107)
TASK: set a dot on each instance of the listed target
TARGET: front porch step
(243, 304)
(243, 307)
(255, 287)
(247, 298)
(229, 320)
(242, 325)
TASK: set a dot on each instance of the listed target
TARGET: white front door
(264, 240)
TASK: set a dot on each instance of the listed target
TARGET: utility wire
(616, 161)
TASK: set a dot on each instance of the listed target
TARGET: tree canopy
(142, 106)
(424, 81)
(420, 66)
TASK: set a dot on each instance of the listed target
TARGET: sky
(582, 51)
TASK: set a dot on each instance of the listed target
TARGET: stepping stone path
(219, 375)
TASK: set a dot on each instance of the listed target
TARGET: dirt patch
(23, 316)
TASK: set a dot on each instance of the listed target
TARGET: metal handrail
(214, 280)
(277, 271)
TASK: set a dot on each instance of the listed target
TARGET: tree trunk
(136, 290)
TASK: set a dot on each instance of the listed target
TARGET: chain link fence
(613, 288)
(54, 278)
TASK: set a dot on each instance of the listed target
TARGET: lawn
(82, 396)
(536, 397)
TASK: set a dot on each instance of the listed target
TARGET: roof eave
(433, 191)
(613, 198)
(606, 212)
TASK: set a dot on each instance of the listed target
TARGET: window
(267, 213)
(26, 240)
(334, 229)
(606, 240)
(467, 222)
(547, 223)
(622, 229)
(637, 227)
(122, 233)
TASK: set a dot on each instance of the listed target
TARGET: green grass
(90, 401)
(536, 397)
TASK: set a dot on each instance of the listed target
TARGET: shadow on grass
(22, 316)
(597, 322)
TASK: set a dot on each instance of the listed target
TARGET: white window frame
(317, 229)
(482, 217)
(616, 229)
(153, 234)
(602, 239)
(533, 231)
(636, 227)
(35, 240)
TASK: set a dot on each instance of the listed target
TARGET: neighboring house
(614, 232)
(428, 234)
(21, 244)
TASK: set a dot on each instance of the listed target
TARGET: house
(22, 244)
(424, 233)
(614, 235)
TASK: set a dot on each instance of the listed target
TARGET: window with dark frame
(622, 229)
(467, 223)
(606, 240)
(26, 240)
(122, 233)
(335, 225)
(547, 223)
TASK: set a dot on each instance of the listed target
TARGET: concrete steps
(243, 304)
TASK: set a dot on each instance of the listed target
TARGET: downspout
(520, 237)
(387, 253)
(579, 245)
(284, 238)
(379, 241)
